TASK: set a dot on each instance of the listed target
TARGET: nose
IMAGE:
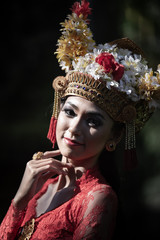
(75, 127)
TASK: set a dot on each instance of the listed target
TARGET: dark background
(29, 33)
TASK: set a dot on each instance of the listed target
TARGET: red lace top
(89, 214)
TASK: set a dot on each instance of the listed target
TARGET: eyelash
(69, 112)
(92, 122)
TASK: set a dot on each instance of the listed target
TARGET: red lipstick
(72, 142)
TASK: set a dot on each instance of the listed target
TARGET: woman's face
(82, 130)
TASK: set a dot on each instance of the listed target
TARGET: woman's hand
(36, 173)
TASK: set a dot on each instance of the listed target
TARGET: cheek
(61, 124)
(99, 138)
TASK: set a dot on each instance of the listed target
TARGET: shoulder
(93, 183)
(103, 193)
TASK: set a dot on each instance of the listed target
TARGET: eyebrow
(88, 112)
(73, 105)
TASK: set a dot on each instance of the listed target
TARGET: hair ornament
(76, 39)
(115, 75)
(59, 84)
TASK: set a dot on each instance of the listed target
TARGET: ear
(113, 141)
(117, 133)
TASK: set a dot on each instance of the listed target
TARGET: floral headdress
(115, 76)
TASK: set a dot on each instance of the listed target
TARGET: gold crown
(115, 103)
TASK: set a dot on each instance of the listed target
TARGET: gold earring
(110, 146)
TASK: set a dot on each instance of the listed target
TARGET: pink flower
(108, 62)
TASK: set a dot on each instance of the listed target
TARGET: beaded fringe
(53, 122)
(130, 157)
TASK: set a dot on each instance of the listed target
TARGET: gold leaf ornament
(59, 83)
(27, 230)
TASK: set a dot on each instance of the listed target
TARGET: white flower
(63, 66)
(123, 52)
(134, 68)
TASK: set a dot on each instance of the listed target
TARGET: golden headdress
(115, 76)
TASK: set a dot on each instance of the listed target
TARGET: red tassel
(130, 159)
(52, 130)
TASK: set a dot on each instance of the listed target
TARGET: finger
(48, 168)
(51, 161)
(49, 174)
(66, 165)
(64, 159)
(46, 176)
(50, 154)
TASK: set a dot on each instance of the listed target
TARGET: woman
(83, 130)
(106, 88)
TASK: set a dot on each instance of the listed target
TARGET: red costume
(89, 214)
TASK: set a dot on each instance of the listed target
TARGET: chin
(74, 154)
(67, 153)
(71, 155)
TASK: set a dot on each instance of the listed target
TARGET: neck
(79, 167)
(82, 165)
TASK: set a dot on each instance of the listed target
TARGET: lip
(72, 142)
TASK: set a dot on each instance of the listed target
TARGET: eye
(94, 122)
(69, 112)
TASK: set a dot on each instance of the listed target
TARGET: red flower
(108, 62)
(82, 8)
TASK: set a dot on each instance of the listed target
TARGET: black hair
(118, 131)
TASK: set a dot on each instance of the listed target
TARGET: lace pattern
(89, 214)
(11, 223)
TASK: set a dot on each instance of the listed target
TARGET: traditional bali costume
(116, 77)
